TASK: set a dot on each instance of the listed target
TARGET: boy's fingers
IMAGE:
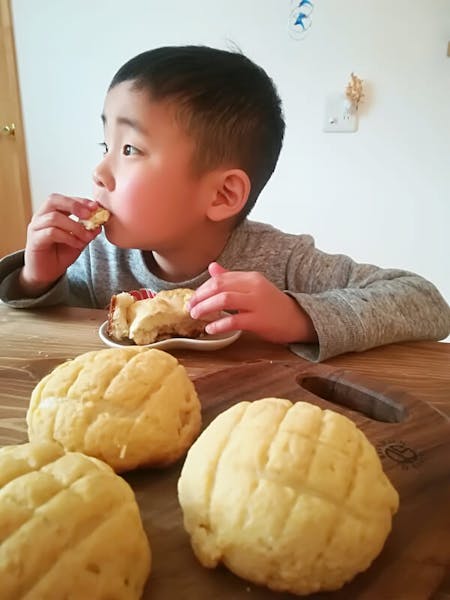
(81, 207)
(52, 235)
(222, 301)
(244, 321)
(221, 325)
(204, 291)
(215, 269)
(226, 282)
(57, 220)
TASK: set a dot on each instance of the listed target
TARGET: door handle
(8, 129)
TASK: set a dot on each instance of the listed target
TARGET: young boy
(192, 134)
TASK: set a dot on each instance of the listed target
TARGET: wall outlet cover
(340, 115)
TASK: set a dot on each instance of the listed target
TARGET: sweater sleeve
(355, 307)
(73, 289)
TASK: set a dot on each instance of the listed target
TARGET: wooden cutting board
(413, 441)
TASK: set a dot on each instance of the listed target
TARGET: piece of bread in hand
(100, 216)
(153, 319)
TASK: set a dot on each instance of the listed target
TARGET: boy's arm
(324, 305)
(73, 289)
(38, 275)
(354, 306)
(10, 288)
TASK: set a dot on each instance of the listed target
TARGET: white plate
(208, 342)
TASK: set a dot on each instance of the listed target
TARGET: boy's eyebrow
(127, 121)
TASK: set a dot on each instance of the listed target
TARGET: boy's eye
(129, 150)
(104, 145)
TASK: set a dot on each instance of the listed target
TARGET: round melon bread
(130, 407)
(69, 528)
(286, 495)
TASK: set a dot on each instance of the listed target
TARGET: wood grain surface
(399, 395)
(413, 441)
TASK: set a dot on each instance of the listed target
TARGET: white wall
(381, 195)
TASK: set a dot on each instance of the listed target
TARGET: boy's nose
(103, 178)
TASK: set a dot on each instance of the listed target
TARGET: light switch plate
(340, 115)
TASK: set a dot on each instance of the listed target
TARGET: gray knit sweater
(353, 306)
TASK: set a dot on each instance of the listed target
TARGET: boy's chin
(122, 241)
(116, 239)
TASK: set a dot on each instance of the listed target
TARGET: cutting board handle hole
(370, 403)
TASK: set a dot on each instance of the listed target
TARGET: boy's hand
(54, 241)
(262, 307)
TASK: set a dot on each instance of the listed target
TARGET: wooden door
(15, 205)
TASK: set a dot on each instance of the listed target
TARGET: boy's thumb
(215, 269)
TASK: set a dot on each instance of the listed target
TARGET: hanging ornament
(300, 18)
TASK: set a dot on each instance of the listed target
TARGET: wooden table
(34, 341)
(37, 340)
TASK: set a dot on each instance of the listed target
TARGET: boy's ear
(230, 194)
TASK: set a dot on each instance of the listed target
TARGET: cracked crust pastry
(70, 527)
(289, 496)
(130, 407)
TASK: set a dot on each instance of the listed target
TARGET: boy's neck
(185, 263)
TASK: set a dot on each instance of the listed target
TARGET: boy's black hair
(227, 103)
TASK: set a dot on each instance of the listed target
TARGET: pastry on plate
(289, 496)
(130, 407)
(69, 527)
(147, 321)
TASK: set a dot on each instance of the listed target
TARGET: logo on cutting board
(399, 452)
